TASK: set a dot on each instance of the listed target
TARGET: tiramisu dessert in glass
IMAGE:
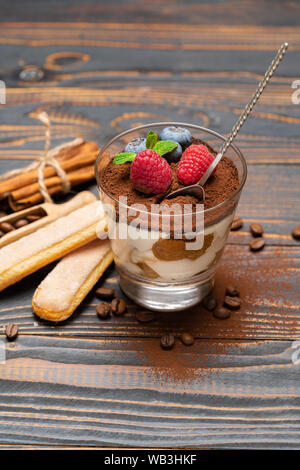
(167, 249)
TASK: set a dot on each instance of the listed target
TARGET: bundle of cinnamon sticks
(76, 158)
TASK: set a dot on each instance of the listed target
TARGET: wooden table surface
(108, 66)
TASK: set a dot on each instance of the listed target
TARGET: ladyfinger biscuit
(60, 293)
(30, 253)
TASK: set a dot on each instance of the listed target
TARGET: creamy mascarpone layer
(134, 254)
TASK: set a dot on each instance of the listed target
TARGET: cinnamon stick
(71, 167)
(77, 177)
(85, 152)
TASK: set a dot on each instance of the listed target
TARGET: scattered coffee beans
(209, 303)
(11, 331)
(232, 291)
(187, 339)
(6, 227)
(145, 317)
(256, 230)
(221, 313)
(237, 223)
(21, 223)
(105, 293)
(233, 303)
(296, 233)
(103, 310)
(167, 341)
(257, 244)
(118, 306)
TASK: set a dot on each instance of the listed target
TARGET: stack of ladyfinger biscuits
(76, 235)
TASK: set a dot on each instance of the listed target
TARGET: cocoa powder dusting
(116, 181)
(266, 312)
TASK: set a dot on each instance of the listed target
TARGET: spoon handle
(273, 66)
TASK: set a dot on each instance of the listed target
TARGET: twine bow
(46, 158)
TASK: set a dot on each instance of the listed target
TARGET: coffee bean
(145, 317)
(105, 293)
(256, 230)
(118, 306)
(187, 339)
(11, 331)
(233, 303)
(257, 244)
(21, 223)
(6, 227)
(209, 303)
(221, 313)
(2, 214)
(296, 233)
(167, 341)
(33, 217)
(103, 310)
(232, 290)
(237, 223)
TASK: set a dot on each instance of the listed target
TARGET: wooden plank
(196, 12)
(130, 393)
(171, 36)
(269, 284)
(270, 136)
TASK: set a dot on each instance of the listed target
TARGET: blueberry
(175, 155)
(136, 145)
(177, 134)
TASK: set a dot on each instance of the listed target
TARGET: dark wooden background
(107, 66)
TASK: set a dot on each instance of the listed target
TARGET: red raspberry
(150, 173)
(193, 164)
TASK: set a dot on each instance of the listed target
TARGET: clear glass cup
(155, 271)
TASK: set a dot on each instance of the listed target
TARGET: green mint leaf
(151, 140)
(164, 146)
(124, 157)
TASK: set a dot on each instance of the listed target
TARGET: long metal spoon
(197, 189)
